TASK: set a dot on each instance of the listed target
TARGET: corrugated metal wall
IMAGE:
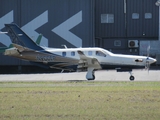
(75, 23)
(115, 28)
(131, 18)
(68, 22)
(145, 26)
(118, 21)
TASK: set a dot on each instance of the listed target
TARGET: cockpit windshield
(100, 53)
(107, 52)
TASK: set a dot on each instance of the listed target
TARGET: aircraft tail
(19, 37)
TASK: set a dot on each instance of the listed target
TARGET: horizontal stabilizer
(21, 48)
(16, 49)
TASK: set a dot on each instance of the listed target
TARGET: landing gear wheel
(131, 78)
(93, 77)
(90, 73)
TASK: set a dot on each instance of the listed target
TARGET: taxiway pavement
(103, 75)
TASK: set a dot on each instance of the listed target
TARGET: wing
(87, 62)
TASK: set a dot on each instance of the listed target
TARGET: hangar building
(121, 26)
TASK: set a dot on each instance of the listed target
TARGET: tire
(131, 78)
(93, 77)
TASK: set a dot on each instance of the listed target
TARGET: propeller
(147, 66)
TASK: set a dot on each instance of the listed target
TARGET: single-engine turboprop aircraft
(72, 59)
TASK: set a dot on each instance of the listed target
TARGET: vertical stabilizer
(19, 37)
(38, 41)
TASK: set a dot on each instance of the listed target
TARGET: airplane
(72, 59)
(2, 49)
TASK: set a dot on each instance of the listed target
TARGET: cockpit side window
(63, 54)
(90, 53)
(72, 53)
(100, 53)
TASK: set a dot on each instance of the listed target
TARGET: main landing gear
(131, 77)
(90, 74)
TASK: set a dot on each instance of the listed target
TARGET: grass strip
(80, 100)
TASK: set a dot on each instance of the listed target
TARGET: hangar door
(142, 19)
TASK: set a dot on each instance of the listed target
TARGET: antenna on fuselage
(64, 46)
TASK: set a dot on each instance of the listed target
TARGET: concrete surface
(140, 75)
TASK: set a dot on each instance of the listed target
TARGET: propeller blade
(148, 51)
(147, 64)
(147, 67)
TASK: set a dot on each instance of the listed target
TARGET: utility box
(133, 44)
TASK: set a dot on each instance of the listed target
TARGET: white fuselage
(103, 56)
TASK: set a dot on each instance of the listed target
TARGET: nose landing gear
(131, 76)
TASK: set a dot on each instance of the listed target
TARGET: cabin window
(72, 53)
(99, 53)
(63, 54)
(90, 53)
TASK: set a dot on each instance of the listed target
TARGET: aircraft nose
(154, 60)
(151, 60)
